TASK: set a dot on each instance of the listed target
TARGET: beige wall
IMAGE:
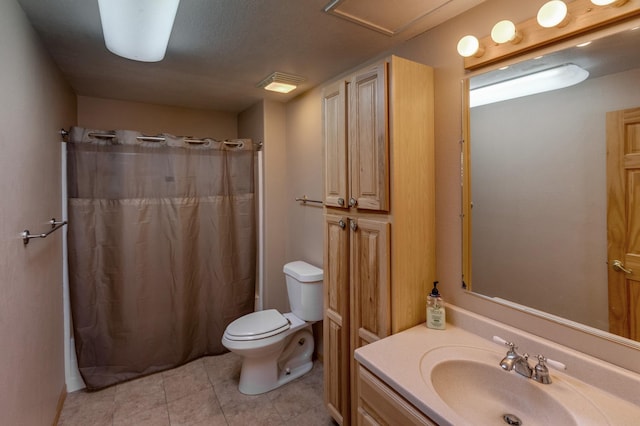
(304, 166)
(107, 114)
(438, 49)
(251, 125)
(293, 160)
(276, 231)
(35, 104)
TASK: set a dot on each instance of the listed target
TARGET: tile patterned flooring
(203, 392)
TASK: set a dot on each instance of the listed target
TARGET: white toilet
(277, 348)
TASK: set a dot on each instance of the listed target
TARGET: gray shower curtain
(162, 249)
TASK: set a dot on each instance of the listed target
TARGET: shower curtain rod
(192, 141)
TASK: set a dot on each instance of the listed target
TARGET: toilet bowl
(277, 348)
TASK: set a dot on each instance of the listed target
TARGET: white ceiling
(220, 49)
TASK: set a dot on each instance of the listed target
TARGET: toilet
(277, 348)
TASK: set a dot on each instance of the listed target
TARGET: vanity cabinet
(378, 404)
(379, 235)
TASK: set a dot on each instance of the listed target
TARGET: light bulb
(504, 32)
(615, 3)
(469, 46)
(553, 14)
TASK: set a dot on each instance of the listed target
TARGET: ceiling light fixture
(539, 82)
(281, 82)
(138, 29)
(553, 14)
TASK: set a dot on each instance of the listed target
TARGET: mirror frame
(594, 21)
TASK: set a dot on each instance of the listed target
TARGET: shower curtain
(162, 249)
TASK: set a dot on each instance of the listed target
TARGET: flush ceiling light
(138, 29)
(505, 32)
(539, 82)
(469, 46)
(281, 82)
(553, 14)
(615, 3)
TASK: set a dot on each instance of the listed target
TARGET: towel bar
(55, 225)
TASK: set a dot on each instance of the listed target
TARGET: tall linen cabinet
(379, 215)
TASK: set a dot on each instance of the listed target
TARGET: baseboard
(61, 399)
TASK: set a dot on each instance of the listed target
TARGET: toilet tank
(304, 287)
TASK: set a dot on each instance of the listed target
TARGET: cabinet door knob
(353, 225)
(352, 202)
(341, 224)
(341, 201)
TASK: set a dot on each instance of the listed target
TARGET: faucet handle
(499, 340)
(541, 372)
(552, 363)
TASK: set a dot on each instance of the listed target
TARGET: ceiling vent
(384, 16)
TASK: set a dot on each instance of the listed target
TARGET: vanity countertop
(397, 361)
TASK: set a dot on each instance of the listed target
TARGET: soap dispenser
(436, 317)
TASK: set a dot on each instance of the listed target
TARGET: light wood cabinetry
(379, 232)
(356, 148)
(368, 139)
(336, 316)
(336, 189)
(378, 404)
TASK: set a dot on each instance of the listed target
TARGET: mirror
(535, 229)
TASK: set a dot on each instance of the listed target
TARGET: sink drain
(511, 419)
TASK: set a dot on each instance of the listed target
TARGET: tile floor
(203, 392)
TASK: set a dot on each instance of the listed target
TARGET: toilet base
(262, 374)
(253, 386)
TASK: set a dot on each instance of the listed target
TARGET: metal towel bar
(306, 200)
(55, 225)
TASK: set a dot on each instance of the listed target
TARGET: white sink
(455, 372)
(453, 377)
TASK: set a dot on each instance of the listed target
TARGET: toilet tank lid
(303, 272)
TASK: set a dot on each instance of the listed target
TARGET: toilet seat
(257, 325)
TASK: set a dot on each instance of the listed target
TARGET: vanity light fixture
(614, 3)
(138, 29)
(505, 32)
(539, 82)
(553, 14)
(469, 46)
(281, 82)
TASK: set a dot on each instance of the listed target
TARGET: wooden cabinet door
(334, 113)
(336, 318)
(370, 296)
(369, 139)
(380, 405)
(370, 281)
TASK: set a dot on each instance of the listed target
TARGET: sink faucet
(514, 361)
(520, 363)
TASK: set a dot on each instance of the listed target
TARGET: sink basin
(477, 391)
